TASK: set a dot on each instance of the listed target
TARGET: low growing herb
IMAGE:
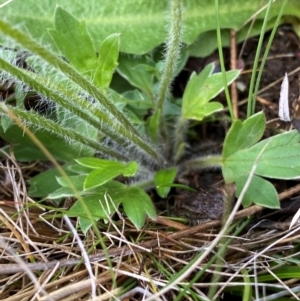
(101, 133)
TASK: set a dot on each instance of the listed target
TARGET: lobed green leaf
(73, 40)
(201, 89)
(244, 134)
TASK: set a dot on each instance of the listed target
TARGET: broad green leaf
(73, 40)
(107, 61)
(200, 90)
(200, 49)
(137, 204)
(45, 182)
(85, 224)
(244, 134)
(79, 169)
(63, 192)
(75, 182)
(98, 206)
(196, 83)
(129, 169)
(137, 78)
(162, 178)
(204, 110)
(25, 149)
(142, 24)
(280, 159)
(105, 199)
(105, 170)
(91, 209)
(99, 177)
(260, 192)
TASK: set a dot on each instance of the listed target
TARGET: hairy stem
(171, 57)
(211, 161)
(47, 125)
(179, 139)
(27, 42)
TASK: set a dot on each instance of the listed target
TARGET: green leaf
(201, 89)
(280, 159)
(200, 49)
(106, 198)
(105, 171)
(45, 182)
(244, 134)
(136, 77)
(153, 124)
(6, 122)
(142, 24)
(73, 40)
(63, 192)
(95, 163)
(75, 182)
(137, 204)
(162, 178)
(196, 83)
(260, 192)
(26, 150)
(93, 208)
(71, 186)
(99, 177)
(108, 60)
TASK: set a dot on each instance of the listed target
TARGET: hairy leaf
(142, 24)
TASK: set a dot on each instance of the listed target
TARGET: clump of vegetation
(118, 136)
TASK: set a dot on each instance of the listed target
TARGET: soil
(283, 57)
(208, 137)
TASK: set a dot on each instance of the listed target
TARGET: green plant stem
(252, 95)
(204, 162)
(80, 107)
(179, 139)
(77, 78)
(47, 125)
(222, 64)
(266, 54)
(171, 57)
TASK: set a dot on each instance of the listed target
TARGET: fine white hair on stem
(284, 111)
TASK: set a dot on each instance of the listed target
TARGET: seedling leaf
(44, 183)
(98, 206)
(105, 170)
(244, 134)
(163, 177)
(108, 60)
(260, 192)
(279, 160)
(137, 204)
(201, 89)
(73, 40)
